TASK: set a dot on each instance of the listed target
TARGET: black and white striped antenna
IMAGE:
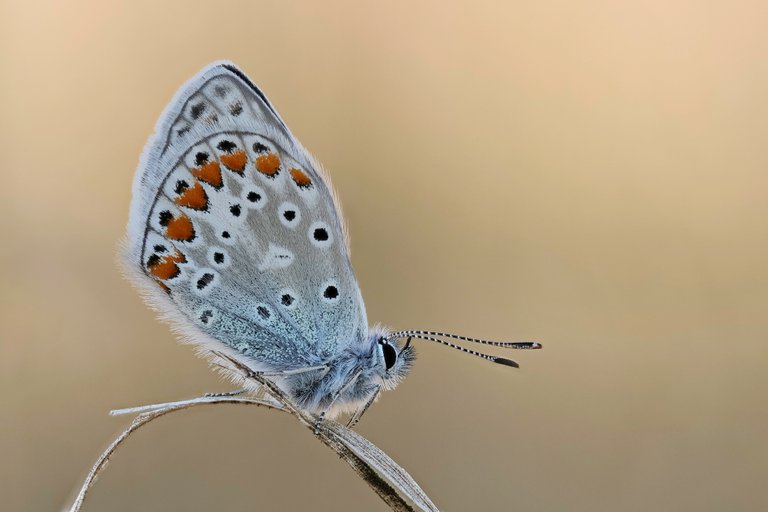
(435, 337)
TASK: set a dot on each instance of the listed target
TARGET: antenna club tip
(506, 362)
(536, 345)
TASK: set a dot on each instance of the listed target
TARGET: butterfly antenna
(487, 357)
(523, 345)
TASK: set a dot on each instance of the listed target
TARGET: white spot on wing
(289, 214)
(254, 197)
(320, 234)
(330, 292)
(276, 257)
(218, 257)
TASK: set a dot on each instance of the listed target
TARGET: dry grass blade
(140, 421)
(374, 466)
(383, 464)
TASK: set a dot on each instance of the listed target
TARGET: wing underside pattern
(234, 222)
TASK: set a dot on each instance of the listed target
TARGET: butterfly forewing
(233, 222)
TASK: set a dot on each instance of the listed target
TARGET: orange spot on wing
(268, 164)
(301, 178)
(166, 267)
(180, 228)
(193, 197)
(210, 173)
(235, 161)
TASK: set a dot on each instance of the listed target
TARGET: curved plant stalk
(141, 420)
(374, 466)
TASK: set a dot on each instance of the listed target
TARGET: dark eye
(390, 355)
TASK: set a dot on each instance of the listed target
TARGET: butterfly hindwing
(234, 229)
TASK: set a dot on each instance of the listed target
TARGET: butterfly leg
(359, 413)
(247, 371)
(297, 371)
(226, 393)
(336, 395)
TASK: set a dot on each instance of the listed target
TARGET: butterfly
(235, 237)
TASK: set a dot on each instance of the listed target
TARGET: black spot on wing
(204, 281)
(236, 108)
(331, 292)
(226, 145)
(197, 110)
(181, 186)
(165, 217)
(201, 158)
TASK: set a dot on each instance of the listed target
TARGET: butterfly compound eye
(390, 354)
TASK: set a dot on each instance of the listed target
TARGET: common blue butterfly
(235, 237)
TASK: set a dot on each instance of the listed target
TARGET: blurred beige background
(592, 175)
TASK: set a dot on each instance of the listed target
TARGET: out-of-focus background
(592, 175)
